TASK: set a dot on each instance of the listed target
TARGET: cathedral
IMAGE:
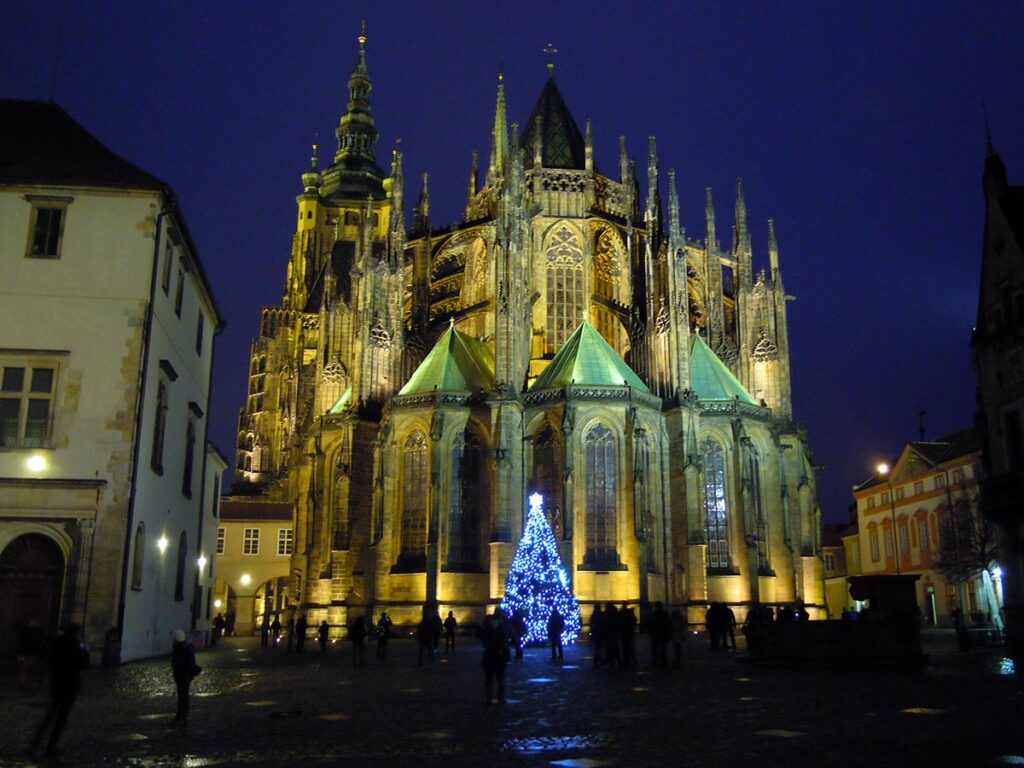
(416, 384)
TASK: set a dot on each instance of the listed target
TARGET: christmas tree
(538, 583)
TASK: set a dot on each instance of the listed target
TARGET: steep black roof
(563, 145)
(40, 143)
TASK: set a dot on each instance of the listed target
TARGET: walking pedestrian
(265, 630)
(450, 626)
(425, 638)
(275, 629)
(728, 627)
(357, 634)
(325, 630)
(383, 635)
(555, 626)
(68, 657)
(612, 632)
(597, 634)
(218, 628)
(517, 629)
(495, 639)
(184, 669)
(300, 633)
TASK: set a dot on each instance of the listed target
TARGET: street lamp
(885, 471)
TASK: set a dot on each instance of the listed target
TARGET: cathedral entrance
(31, 579)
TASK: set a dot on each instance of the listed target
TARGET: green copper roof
(457, 363)
(343, 401)
(710, 378)
(586, 358)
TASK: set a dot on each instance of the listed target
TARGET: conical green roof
(457, 363)
(343, 401)
(586, 358)
(711, 379)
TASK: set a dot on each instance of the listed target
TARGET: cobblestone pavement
(255, 706)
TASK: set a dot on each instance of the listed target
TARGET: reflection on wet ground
(261, 707)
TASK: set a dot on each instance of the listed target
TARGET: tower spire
(673, 206)
(356, 130)
(709, 222)
(499, 134)
(773, 249)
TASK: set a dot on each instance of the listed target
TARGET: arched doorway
(31, 578)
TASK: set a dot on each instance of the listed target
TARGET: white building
(107, 327)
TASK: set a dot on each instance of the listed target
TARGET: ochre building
(417, 383)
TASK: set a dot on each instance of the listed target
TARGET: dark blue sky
(858, 129)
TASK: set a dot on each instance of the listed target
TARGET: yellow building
(255, 544)
(919, 515)
(414, 385)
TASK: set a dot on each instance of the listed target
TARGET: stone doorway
(31, 581)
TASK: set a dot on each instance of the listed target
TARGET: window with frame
(885, 497)
(250, 541)
(156, 459)
(918, 488)
(190, 450)
(285, 541)
(564, 288)
(958, 476)
(760, 523)
(200, 329)
(179, 293)
(716, 509)
(830, 562)
(940, 481)
(179, 576)
(28, 390)
(601, 486)
(888, 543)
(899, 492)
(467, 500)
(221, 540)
(904, 539)
(873, 537)
(412, 550)
(138, 556)
(46, 227)
(922, 535)
(165, 274)
(871, 502)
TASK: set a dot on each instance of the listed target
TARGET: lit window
(251, 541)
(221, 540)
(285, 541)
(27, 395)
(46, 228)
(716, 526)
(564, 288)
(412, 549)
(601, 488)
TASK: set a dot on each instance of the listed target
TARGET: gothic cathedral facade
(416, 384)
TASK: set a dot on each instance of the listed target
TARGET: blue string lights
(538, 582)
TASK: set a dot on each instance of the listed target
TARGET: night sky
(859, 129)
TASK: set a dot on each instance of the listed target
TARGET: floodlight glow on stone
(36, 462)
(538, 583)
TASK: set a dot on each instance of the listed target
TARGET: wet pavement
(253, 706)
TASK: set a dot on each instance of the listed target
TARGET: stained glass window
(547, 480)
(412, 552)
(716, 523)
(564, 288)
(467, 503)
(757, 512)
(600, 484)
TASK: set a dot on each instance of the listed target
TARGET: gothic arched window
(600, 486)
(467, 503)
(643, 511)
(413, 549)
(156, 460)
(564, 288)
(716, 519)
(547, 480)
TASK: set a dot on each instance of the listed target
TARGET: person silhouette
(68, 657)
(450, 626)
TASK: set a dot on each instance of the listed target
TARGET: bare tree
(967, 539)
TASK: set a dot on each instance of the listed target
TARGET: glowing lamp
(36, 462)
(162, 543)
(217, 603)
(245, 580)
(201, 562)
(883, 468)
(997, 572)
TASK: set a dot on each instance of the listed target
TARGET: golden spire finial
(550, 50)
(362, 33)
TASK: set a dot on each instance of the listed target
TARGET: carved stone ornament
(765, 349)
(662, 323)
(310, 322)
(335, 372)
(379, 337)
(564, 248)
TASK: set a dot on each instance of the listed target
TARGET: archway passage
(31, 578)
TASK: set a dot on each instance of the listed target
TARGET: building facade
(998, 348)
(566, 337)
(107, 328)
(921, 515)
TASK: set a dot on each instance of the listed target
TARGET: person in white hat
(184, 668)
